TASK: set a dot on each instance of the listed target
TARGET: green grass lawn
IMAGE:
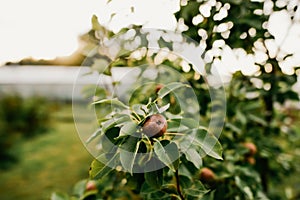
(54, 161)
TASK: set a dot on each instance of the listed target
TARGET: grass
(54, 161)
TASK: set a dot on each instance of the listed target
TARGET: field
(51, 162)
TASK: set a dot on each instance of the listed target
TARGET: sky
(45, 29)
(50, 28)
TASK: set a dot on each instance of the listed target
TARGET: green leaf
(115, 121)
(233, 128)
(160, 195)
(89, 194)
(162, 43)
(235, 2)
(251, 22)
(176, 126)
(95, 23)
(102, 112)
(140, 109)
(79, 188)
(192, 188)
(92, 90)
(193, 156)
(134, 181)
(169, 188)
(243, 186)
(188, 122)
(191, 151)
(241, 117)
(98, 28)
(129, 128)
(107, 141)
(207, 142)
(101, 66)
(112, 102)
(94, 135)
(123, 53)
(250, 106)
(149, 192)
(156, 109)
(257, 119)
(163, 108)
(147, 189)
(128, 152)
(101, 166)
(197, 190)
(167, 89)
(185, 181)
(190, 10)
(168, 154)
(154, 178)
(59, 196)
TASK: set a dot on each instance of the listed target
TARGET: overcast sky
(50, 28)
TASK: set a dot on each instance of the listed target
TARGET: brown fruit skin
(251, 147)
(207, 175)
(155, 125)
(91, 185)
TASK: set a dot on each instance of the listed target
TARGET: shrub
(20, 118)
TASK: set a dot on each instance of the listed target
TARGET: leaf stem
(170, 133)
(178, 185)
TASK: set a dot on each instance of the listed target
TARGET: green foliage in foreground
(255, 112)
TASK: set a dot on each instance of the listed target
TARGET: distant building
(53, 82)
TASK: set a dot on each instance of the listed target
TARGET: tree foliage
(253, 102)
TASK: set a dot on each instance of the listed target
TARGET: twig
(178, 185)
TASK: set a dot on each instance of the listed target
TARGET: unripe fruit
(91, 185)
(207, 175)
(155, 125)
(251, 147)
(251, 160)
(158, 87)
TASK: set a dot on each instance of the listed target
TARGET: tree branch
(178, 185)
